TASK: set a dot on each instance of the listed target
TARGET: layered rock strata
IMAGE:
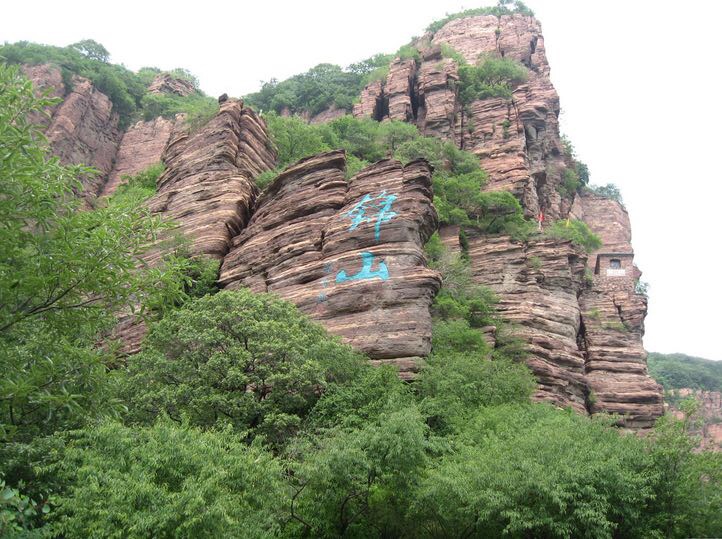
(538, 284)
(207, 189)
(613, 314)
(350, 254)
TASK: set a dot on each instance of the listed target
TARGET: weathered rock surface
(207, 188)
(537, 284)
(710, 414)
(45, 78)
(165, 83)
(350, 254)
(142, 145)
(399, 90)
(82, 129)
(613, 315)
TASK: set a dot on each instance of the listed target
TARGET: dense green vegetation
(126, 90)
(490, 77)
(242, 418)
(319, 88)
(677, 371)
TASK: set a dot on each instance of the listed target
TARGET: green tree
(167, 480)
(92, 49)
(64, 273)
(251, 361)
(523, 470)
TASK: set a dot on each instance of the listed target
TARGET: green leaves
(251, 361)
(168, 480)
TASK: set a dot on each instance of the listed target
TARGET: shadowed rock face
(82, 128)
(142, 145)
(350, 254)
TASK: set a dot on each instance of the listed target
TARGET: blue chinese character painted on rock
(382, 203)
(366, 272)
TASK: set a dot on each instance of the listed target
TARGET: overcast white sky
(638, 81)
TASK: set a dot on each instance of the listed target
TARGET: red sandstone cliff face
(613, 315)
(82, 128)
(350, 254)
(517, 140)
(142, 145)
(207, 187)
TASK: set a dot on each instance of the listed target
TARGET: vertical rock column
(613, 314)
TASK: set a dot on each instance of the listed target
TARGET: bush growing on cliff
(492, 77)
(197, 107)
(610, 191)
(316, 90)
(576, 231)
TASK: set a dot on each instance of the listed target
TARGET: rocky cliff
(350, 253)
(583, 320)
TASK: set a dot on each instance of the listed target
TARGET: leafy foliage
(250, 361)
(63, 275)
(492, 77)
(317, 89)
(167, 480)
(677, 371)
(511, 476)
(576, 231)
(610, 191)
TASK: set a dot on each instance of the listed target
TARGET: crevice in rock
(414, 95)
(381, 110)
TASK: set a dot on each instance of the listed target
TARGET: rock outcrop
(582, 323)
(165, 83)
(538, 283)
(517, 140)
(613, 314)
(82, 128)
(207, 187)
(350, 254)
(142, 145)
